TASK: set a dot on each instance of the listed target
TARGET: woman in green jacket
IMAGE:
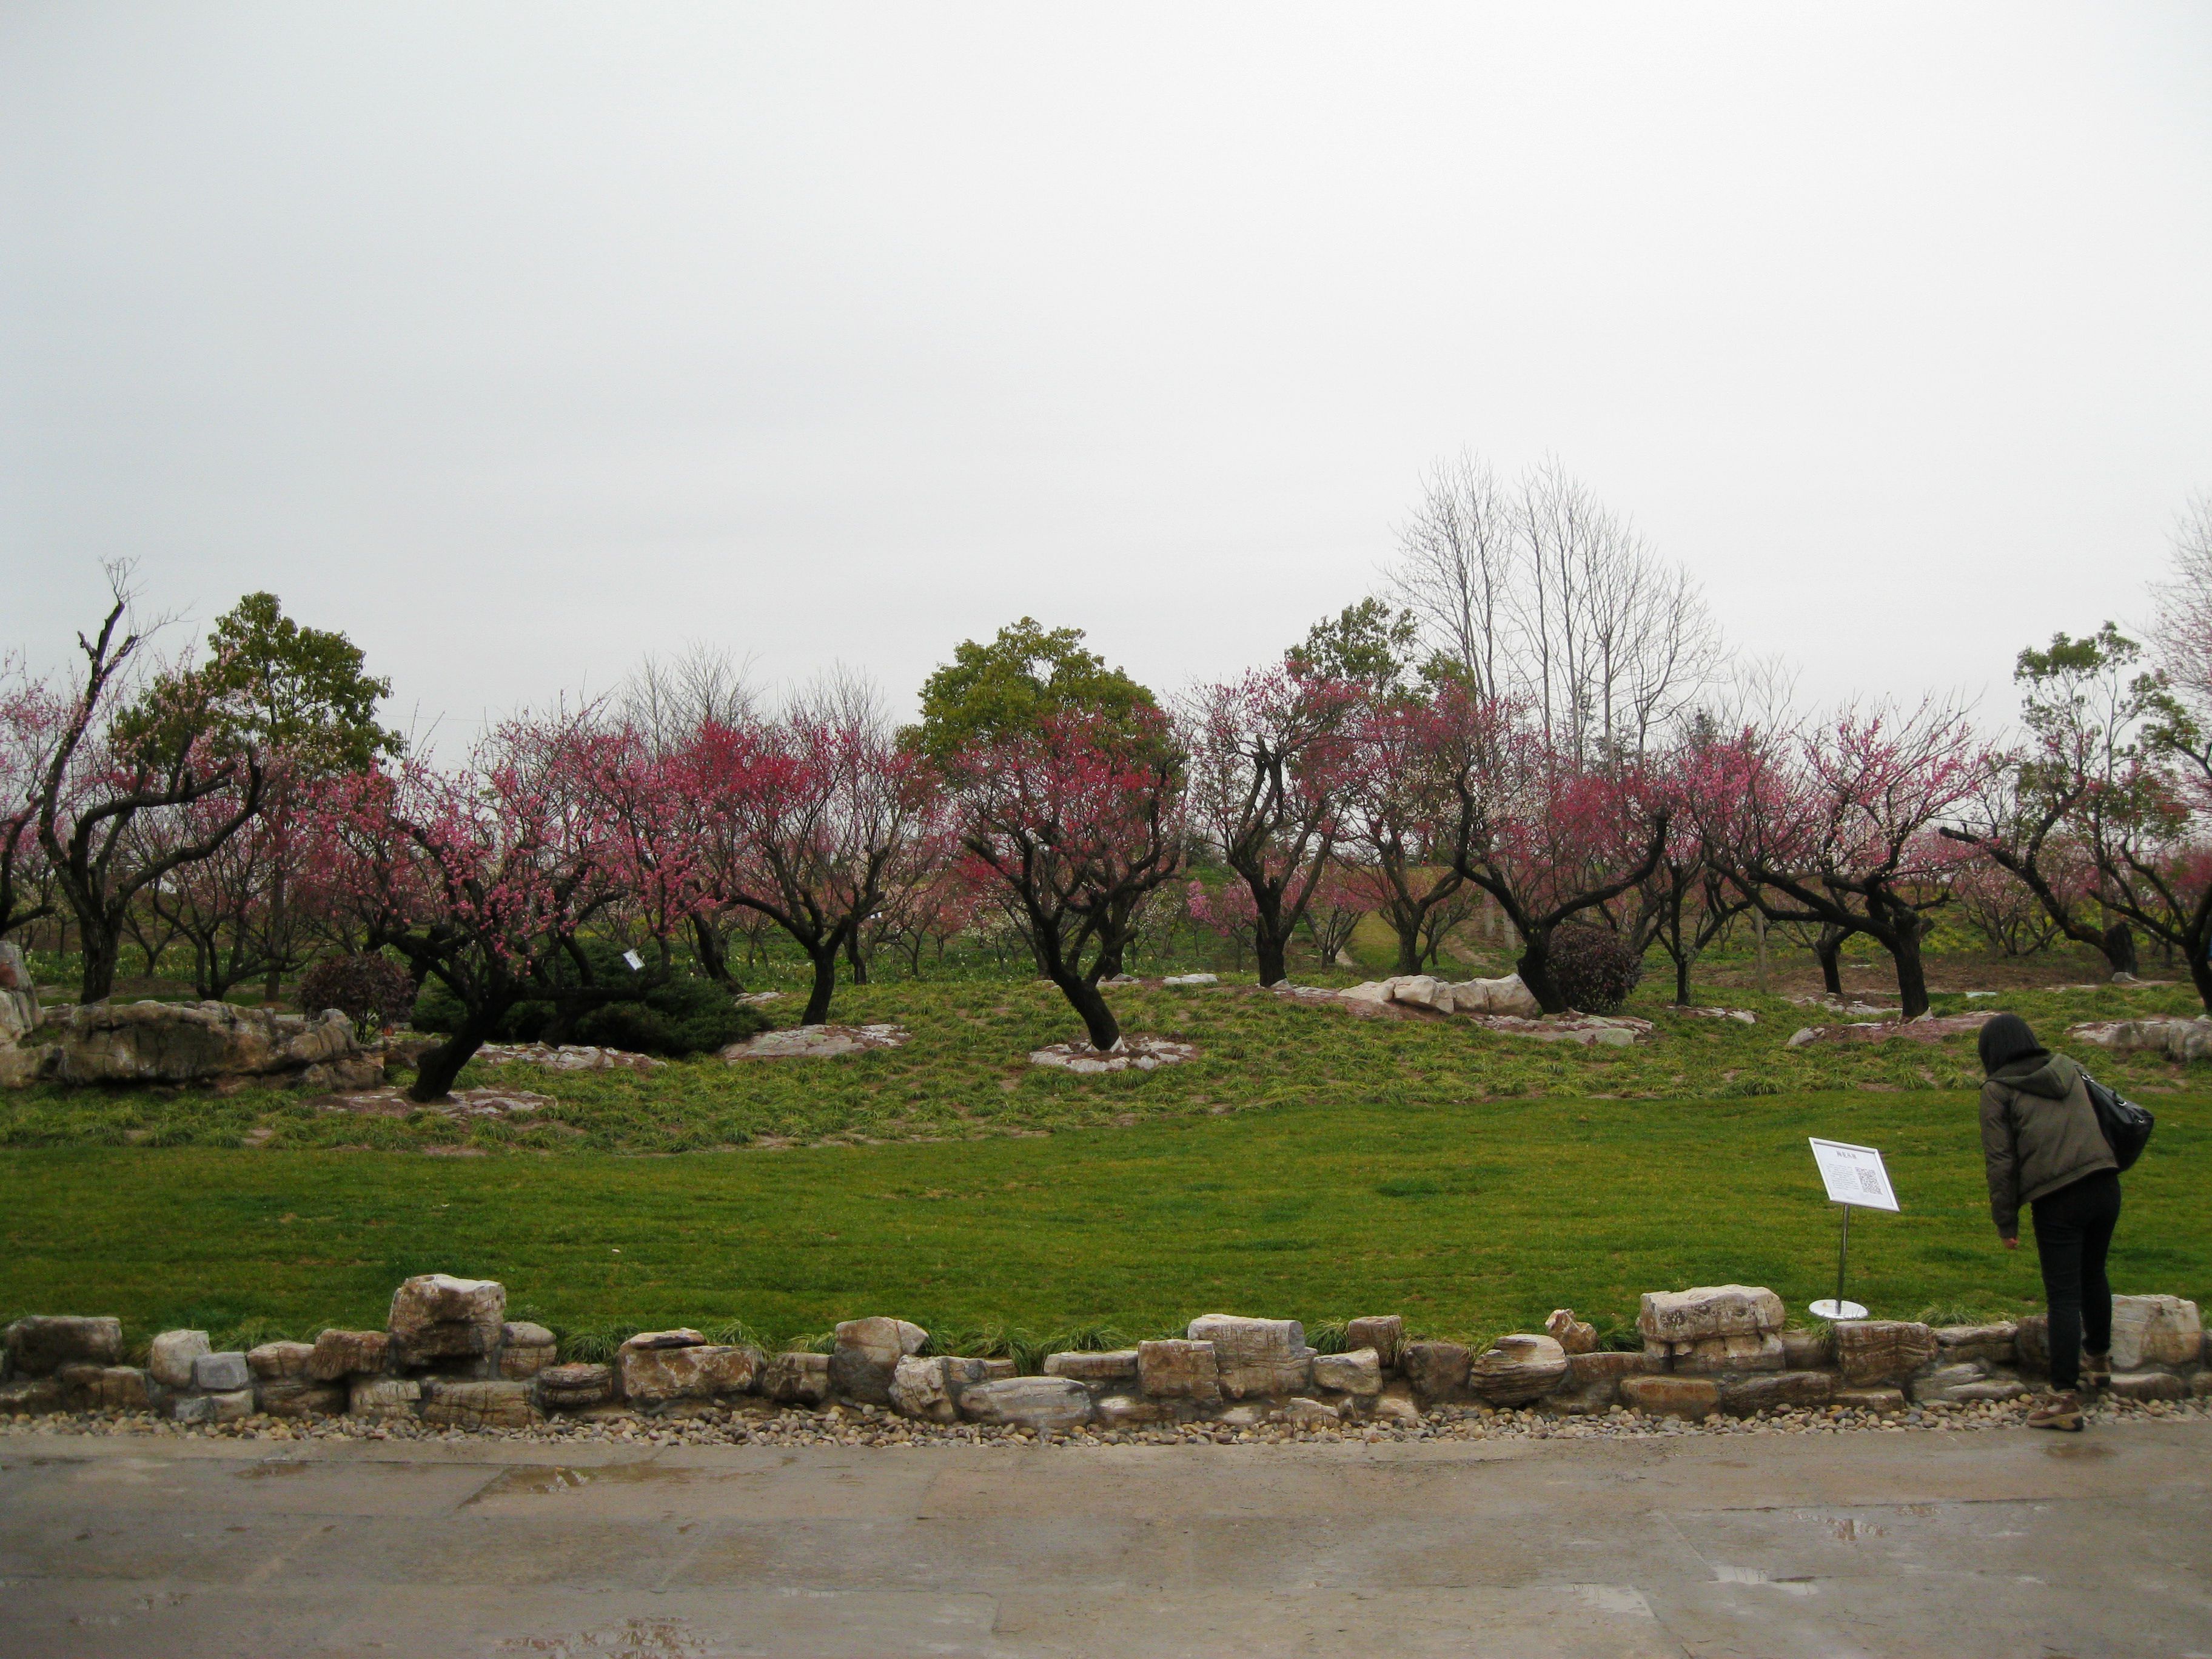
(2043, 1146)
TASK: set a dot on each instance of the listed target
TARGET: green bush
(371, 991)
(1594, 968)
(681, 1015)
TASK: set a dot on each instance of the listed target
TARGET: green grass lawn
(1470, 1218)
(1309, 1163)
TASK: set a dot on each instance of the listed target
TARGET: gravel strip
(870, 1425)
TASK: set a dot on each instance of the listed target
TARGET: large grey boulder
(933, 1388)
(1047, 1403)
(1709, 1355)
(340, 1354)
(170, 1359)
(300, 1398)
(653, 1374)
(281, 1362)
(2155, 1330)
(1384, 1333)
(1105, 1367)
(1422, 991)
(524, 1349)
(1496, 996)
(576, 1388)
(221, 1373)
(437, 1316)
(1438, 1371)
(1877, 1351)
(2177, 1039)
(1178, 1369)
(1255, 1357)
(1515, 1370)
(204, 1043)
(19, 995)
(105, 1388)
(867, 1355)
(797, 1378)
(1991, 1344)
(1708, 1310)
(486, 1405)
(1356, 1373)
(40, 1344)
(383, 1396)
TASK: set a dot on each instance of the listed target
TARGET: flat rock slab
(1141, 1054)
(1854, 1008)
(1607, 1031)
(2177, 1039)
(1742, 1016)
(461, 1103)
(565, 1057)
(1928, 1028)
(816, 1042)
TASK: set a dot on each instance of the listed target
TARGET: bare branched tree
(1541, 592)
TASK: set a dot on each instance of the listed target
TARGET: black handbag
(2126, 1125)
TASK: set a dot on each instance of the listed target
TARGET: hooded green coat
(2040, 1133)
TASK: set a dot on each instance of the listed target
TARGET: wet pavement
(2003, 1542)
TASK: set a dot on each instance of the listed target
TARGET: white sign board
(635, 961)
(1854, 1175)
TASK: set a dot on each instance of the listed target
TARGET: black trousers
(2072, 1229)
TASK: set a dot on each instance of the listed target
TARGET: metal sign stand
(1853, 1177)
(1837, 1308)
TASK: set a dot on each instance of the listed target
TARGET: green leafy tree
(2088, 779)
(1012, 686)
(301, 698)
(1367, 645)
(1019, 684)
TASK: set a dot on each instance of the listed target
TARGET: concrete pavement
(1996, 1543)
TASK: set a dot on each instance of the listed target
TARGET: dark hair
(2006, 1038)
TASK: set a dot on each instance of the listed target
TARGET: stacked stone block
(449, 1358)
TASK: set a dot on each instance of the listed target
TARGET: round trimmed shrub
(371, 991)
(1594, 968)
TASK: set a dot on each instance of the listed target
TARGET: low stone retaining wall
(449, 1358)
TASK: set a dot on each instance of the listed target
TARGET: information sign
(1854, 1175)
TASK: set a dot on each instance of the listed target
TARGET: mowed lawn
(1470, 1216)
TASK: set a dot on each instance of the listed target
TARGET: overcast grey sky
(518, 340)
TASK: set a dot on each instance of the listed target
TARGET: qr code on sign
(1870, 1181)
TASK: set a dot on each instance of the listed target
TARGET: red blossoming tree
(483, 876)
(1549, 832)
(1838, 824)
(810, 820)
(1268, 760)
(1077, 817)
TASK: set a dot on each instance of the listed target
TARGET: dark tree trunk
(855, 959)
(1269, 950)
(436, 1072)
(2200, 973)
(2119, 949)
(714, 955)
(103, 948)
(1099, 1021)
(823, 956)
(1829, 952)
(1536, 970)
(1682, 979)
(1911, 975)
(273, 985)
(1109, 967)
(1409, 945)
